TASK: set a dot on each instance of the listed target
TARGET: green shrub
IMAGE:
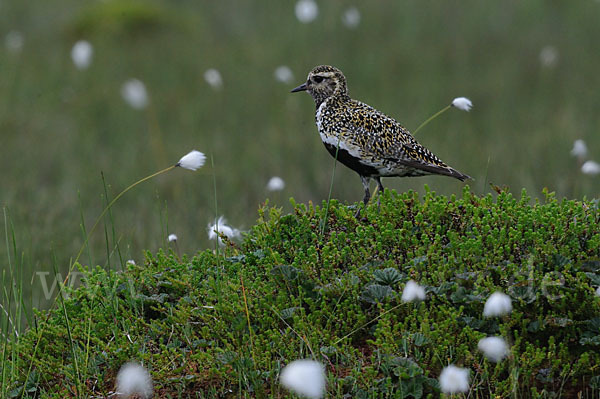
(335, 297)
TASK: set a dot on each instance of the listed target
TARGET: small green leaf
(289, 273)
(376, 293)
(389, 276)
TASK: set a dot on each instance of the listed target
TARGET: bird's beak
(302, 87)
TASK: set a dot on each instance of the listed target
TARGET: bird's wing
(383, 138)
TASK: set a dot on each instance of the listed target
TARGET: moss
(335, 297)
(124, 18)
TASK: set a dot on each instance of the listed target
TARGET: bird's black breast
(350, 161)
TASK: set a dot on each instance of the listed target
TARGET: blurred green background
(530, 68)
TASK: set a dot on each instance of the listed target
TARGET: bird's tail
(458, 175)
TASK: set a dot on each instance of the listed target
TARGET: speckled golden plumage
(370, 142)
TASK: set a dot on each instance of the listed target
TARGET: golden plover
(366, 140)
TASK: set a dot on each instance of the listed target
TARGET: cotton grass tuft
(193, 160)
(306, 11)
(135, 94)
(494, 348)
(276, 183)
(498, 304)
(220, 227)
(284, 74)
(81, 54)
(14, 41)
(213, 78)
(304, 377)
(591, 168)
(580, 150)
(413, 292)
(134, 379)
(351, 18)
(548, 56)
(462, 103)
(454, 379)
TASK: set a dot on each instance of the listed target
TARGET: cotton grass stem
(111, 203)
(324, 224)
(432, 117)
(367, 323)
(212, 164)
(248, 319)
(302, 337)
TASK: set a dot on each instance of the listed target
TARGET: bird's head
(324, 81)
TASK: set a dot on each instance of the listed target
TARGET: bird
(364, 139)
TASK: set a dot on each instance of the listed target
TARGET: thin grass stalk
(85, 236)
(11, 266)
(115, 242)
(303, 338)
(3, 384)
(78, 390)
(10, 324)
(19, 305)
(9, 333)
(9, 296)
(18, 279)
(217, 249)
(5, 337)
(367, 323)
(164, 221)
(324, 223)
(107, 244)
(110, 204)
(88, 335)
(432, 117)
(485, 180)
(248, 319)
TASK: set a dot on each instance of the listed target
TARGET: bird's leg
(365, 181)
(380, 187)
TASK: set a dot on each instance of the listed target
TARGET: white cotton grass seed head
(548, 56)
(454, 379)
(580, 150)
(14, 41)
(220, 227)
(81, 54)
(462, 103)
(134, 93)
(591, 168)
(172, 237)
(193, 160)
(498, 304)
(275, 183)
(213, 78)
(351, 18)
(284, 74)
(305, 378)
(134, 379)
(130, 262)
(494, 348)
(306, 11)
(413, 292)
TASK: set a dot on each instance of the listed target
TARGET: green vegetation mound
(223, 325)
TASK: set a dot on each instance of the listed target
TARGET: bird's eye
(318, 79)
